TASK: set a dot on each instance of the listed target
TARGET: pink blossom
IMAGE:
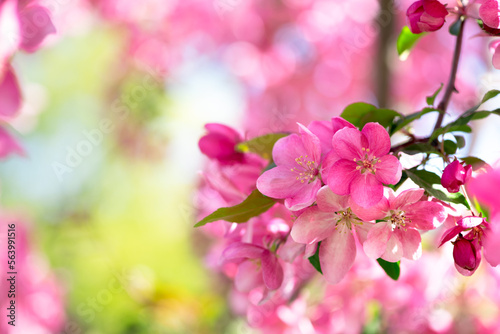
(495, 49)
(220, 143)
(455, 175)
(333, 223)
(296, 177)
(485, 188)
(467, 255)
(426, 15)
(10, 96)
(257, 265)
(467, 249)
(397, 236)
(8, 144)
(361, 164)
(489, 13)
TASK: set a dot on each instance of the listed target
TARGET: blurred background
(114, 104)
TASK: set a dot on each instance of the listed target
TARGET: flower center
(367, 163)
(346, 217)
(307, 169)
(399, 220)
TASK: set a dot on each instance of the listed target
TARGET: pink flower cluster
(23, 26)
(330, 185)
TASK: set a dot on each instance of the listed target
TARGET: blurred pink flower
(8, 145)
(455, 175)
(296, 175)
(10, 95)
(257, 265)
(426, 15)
(361, 164)
(220, 143)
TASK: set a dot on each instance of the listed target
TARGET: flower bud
(426, 15)
(466, 255)
(220, 144)
(455, 175)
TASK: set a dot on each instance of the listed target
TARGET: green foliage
(315, 259)
(361, 113)
(430, 99)
(474, 162)
(392, 269)
(252, 206)
(450, 147)
(426, 180)
(406, 40)
(420, 148)
(461, 123)
(262, 145)
(405, 120)
(455, 27)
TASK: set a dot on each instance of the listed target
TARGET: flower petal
(388, 169)
(35, 26)
(337, 254)
(412, 243)
(239, 250)
(322, 130)
(407, 197)
(272, 273)
(450, 234)
(10, 95)
(338, 123)
(341, 175)
(366, 190)
(328, 201)
(312, 226)
(376, 240)
(279, 182)
(304, 198)
(378, 139)
(394, 250)
(287, 149)
(347, 143)
(311, 143)
(425, 215)
(248, 276)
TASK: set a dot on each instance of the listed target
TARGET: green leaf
(426, 180)
(315, 259)
(361, 113)
(489, 95)
(455, 27)
(450, 147)
(405, 120)
(430, 99)
(460, 141)
(450, 128)
(252, 206)
(420, 148)
(472, 114)
(392, 269)
(406, 40)
(476, 163)
(262, 145)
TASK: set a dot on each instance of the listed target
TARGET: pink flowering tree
(344, 194)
